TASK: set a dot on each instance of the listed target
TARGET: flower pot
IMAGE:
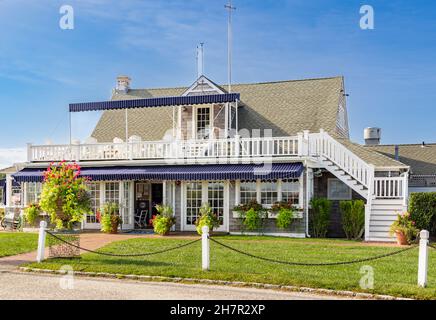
(401, 238)
(114, 228)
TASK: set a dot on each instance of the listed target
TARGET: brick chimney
(123, 84)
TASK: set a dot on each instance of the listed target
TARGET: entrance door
(214, 193)
(147, 196)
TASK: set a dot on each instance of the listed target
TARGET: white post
(41, 241)
(205, 248)
(423, 258)
(9, 184)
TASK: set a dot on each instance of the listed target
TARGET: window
(33, 192)
(248, 192)
(337, 190)
(112, 193)
(2, 197)
(268, 193)
(16, 196)
(216, 199)
(94, 191)
(193, 202)
(291, 191)
(203, 122)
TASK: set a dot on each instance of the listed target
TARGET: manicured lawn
(395, 275)
(17, 242)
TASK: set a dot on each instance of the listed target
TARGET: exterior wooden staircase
(385, 196)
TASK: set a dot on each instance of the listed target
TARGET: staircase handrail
(324, 145)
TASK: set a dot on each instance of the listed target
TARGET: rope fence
(205, 239)
(123, 255)
(312, 264)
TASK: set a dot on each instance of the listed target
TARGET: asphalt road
(28, 286)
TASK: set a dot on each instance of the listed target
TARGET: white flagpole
(229, 7)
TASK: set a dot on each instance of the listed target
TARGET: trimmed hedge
(422, 208)
(319, 218)
(353, 218)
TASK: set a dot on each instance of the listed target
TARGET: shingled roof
(421, 159)
(286, 107)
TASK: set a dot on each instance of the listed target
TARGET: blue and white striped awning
(180, 173)
(154, 102)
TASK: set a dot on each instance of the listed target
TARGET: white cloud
(8, 157)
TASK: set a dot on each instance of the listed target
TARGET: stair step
(383, 217)
(380, 223)
(387, 201)
(379, 211)
(381, 239)
(389, 207)
(384, 229)
(377, 234)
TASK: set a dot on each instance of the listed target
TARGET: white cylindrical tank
(372, 136)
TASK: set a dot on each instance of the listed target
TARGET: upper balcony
(170, 151)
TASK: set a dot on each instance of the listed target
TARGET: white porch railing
(153, 150)
(392, 188)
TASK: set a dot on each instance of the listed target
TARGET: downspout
(306, 205)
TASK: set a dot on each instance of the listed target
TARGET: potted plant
(404, 229)
(207, 218)
(65, 195)
(31, 213)
(110, 218)
(285, 214)
(164, 221)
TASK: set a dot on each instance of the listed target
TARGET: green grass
(17, 242)
(395, 275)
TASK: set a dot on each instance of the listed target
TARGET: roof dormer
(203, 86)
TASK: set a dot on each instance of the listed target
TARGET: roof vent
(372, 136)
(123, 84)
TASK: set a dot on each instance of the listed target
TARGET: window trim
(194, 119)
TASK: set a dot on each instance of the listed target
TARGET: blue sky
(390, 72)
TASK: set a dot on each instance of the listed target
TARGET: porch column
(164, 193)
(309, 195)
(132, 203)
(8, 190)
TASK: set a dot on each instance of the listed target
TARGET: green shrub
(285, 218)
(110, 218)
(320, 217)
(252, 220)
(164, 221)
(207, 218)
(32, 213)
(422, 208)
(353, 218)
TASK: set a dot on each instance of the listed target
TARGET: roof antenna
(230, 8)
